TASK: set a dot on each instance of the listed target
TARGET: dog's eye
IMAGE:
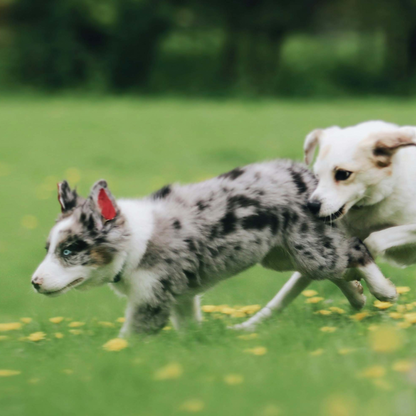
(66, 252)
(342, 175)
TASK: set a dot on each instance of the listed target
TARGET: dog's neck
(140, 225)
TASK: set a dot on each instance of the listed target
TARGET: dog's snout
(37, 282)
(314, 206)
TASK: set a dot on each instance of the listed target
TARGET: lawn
(290, 367)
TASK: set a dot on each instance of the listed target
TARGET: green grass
(139, 145)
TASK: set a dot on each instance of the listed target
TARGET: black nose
(314, 206)
(36, 285)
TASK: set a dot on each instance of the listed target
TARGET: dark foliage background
(216, 47)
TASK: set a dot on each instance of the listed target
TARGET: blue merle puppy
(163, 250)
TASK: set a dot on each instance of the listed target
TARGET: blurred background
(297, 48)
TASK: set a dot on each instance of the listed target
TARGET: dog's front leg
(145, 318)
(186, 310)
(381, 241)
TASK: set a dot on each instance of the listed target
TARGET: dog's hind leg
(290, 291)
(186, 310)
(353, 291)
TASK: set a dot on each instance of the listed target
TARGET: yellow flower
(402, 366)
(410, 307)
(395, 315)
(323, 312)
(382, 384)
(402, 289)
(73, 175)
(12, 326)
(167, 328)
(337, 310)
(257, 351)
(3, 337)
(345, 351)
(56, 320)
(247, 337)
(29, 221)
(238, 314)
(271, 410)
(68, 371)
(9, 373)
(373, 328)
(315, 299)
(209, 308)
(309, 293)
(37, 336)
(193, 406)
(76, 331)
(387, 339)
(404, 325)
(227, 310)
(401, 308)
(376, 371)
(116, 344)
(410, 317)
(250, 309)
(329, 329)
(233, 379)
(169, 372)
(382, 305)
(106, 324)
(59, 335)
(76, 324)
(360, 316)
(316, 353)
(26, 320)
(121, 320)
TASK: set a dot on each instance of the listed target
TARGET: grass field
(363, 368)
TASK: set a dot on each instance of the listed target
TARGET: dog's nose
(314, 206)
(37, 282)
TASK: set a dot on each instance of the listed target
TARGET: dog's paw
(243, 327)
(387, 294)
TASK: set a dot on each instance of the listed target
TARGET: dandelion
(29, 221)
(106, 324)
(121, 320)
(323, 312)
(382, 384)
(238, 314)
(386, 339)
(373, 328)
(233, 379)
(404, 325)
(271, 410)
(26, 320)
(360, 316)
(68, 371)
(12, 326)
(56, 320)
(169, 372)
(376, 371)
(345, 351)
(247, 337)
(402, 366)
(250, 309)
(76, 331)
(410, 307)
(315, 299)
(396, 315)
(410, 318)
(209, 308)
(337, 310)
(382, 305)
(3, 337)
(9, 373)
(193, 406)
(402, 289)
(309, 293)
(76, 324)
(329, 329)
(37, 336)
(228, 311)
(59, 335)
(401, 308)
(116, 344)
(257, 351)
(317, 352)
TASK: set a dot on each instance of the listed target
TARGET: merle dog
(164, 250)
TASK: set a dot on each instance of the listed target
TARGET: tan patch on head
(324, 152)
(101, 256)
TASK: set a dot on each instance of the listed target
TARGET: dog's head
(84, 246)
(353, 164)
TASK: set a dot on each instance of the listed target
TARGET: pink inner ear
(61, 202)
(106, 206)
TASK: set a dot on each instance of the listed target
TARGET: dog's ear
(311, 141)
(68, 199)
(100, 206)
(388, 143)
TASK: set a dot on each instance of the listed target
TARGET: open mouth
(334, 216)
(64, 289)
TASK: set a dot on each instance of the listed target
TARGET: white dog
(366, 177)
